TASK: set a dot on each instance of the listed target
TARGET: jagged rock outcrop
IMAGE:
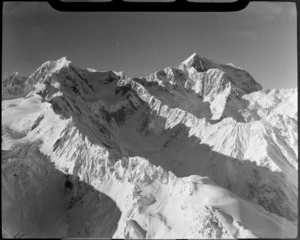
(15, 85)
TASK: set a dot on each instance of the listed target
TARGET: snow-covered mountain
(195, 151)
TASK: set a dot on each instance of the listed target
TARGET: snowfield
(198, 151)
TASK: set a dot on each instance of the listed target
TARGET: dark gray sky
(260, 38)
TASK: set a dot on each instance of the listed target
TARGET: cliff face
(196, 151)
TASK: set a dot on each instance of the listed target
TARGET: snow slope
(198, 151)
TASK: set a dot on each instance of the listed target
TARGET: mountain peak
(49, 67)
(201, 64)
(56, 64)
(191, 58)
(60, 63)
(63, 61)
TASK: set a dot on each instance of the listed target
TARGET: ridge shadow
(38, 201)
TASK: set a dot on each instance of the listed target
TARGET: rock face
(198, 151)
(15, 86)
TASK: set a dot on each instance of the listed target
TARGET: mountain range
(201, 150)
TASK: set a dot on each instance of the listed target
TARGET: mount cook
(196, 151)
